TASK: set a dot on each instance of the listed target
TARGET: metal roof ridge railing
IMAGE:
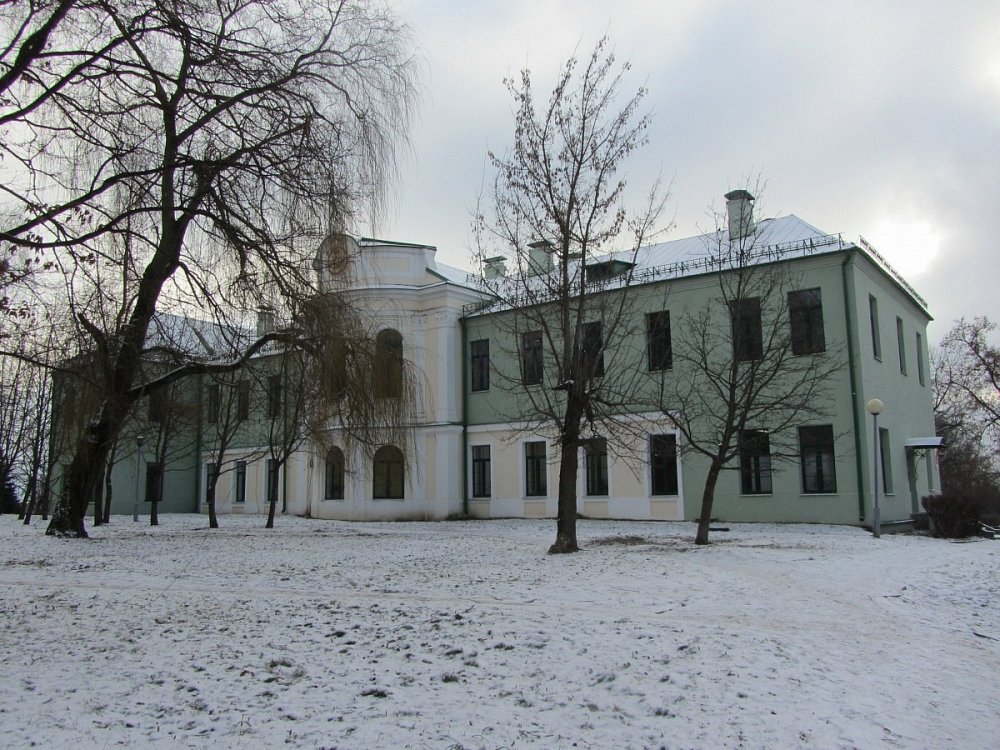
(705, 264)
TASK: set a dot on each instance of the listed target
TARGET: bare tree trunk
(107, 492)
(566, 519)
(29, 498)
(707, 498)
(568, 469)
(154, 516)
(82, 475)
(213, 518)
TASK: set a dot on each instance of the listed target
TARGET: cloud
(879, 119)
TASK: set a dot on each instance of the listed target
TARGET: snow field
(467, 635)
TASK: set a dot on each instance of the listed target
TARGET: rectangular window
(920, 359)
(748, 343)
(274, 396)
(214, 402)
(876, 336)
(241, 482)
(534, 469)
(154, 482)
(211, 477)
(273, 472)
(481, 471)
(157, 405)
(901, 345)
(805, 312)
(885, 453)
(531, 357)
(593, 350)
(663, 464)
(480, 364)
(755, 463)
(819, 472)
(596, 454)
(659, 355)
(243, 400)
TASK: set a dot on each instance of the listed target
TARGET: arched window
(388, 364)
(334, 489)
(387, 477)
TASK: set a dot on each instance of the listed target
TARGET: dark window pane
(805, 310)
(214, 402)
(597, 466)
(818, 466)
(755, 462)
(387, 475)
(531, 357)
(534, 466)
(663, 464)
(480, 471)
(388, 364)
(876, 333)
(593, 350)
(745, 318)
(243, 400)
(659, 355)
(274, 396)
(480, 351)
(241, 481)
(901, 345)
(334, 474)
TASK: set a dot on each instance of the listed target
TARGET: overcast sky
(875, 119)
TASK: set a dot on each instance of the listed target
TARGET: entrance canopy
(923, 442)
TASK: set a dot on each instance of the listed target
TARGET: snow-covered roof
(194, 337)
(773, 239)
(789, 232)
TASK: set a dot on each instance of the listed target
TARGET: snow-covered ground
(467, 635)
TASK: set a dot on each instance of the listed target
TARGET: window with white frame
(596, 464)
(535, 484)
(481, 471)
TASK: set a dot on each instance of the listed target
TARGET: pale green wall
(908, 412)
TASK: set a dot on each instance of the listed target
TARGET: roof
(776, 239)
(789, 232)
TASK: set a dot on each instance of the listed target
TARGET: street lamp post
(875, 407)
(138, 463)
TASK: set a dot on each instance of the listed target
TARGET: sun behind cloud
(909, 244)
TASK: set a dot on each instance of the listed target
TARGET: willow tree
(189, 156)
(558, 207)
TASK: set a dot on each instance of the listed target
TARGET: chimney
(739, 207)
(265, 320)
(539, 257)
(494, 268)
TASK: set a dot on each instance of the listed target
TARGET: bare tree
(191, 154)
(225, 410)
(745, 373)
(966, 376)
(557, 208)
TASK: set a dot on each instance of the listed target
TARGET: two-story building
(473, 449)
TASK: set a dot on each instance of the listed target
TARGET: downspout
(851, 366)
(465, 420)
(197, 451)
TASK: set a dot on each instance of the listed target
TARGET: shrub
(8, 495)
(954, 515)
